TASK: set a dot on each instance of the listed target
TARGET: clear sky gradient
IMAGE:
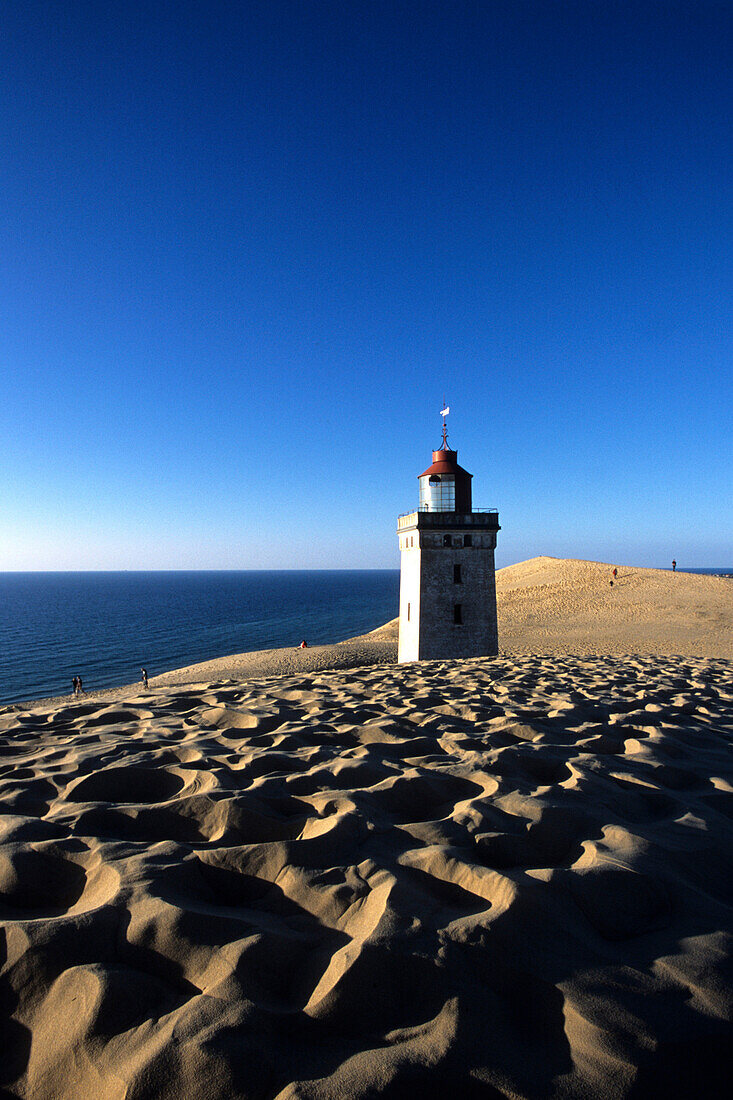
(246, 249)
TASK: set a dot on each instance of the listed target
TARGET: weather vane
(444, 412)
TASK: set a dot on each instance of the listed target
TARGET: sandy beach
(317, 874)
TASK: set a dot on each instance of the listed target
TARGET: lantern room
(444, 486)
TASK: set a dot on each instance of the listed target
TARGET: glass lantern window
(437, 493)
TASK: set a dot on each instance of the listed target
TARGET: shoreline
(378, 647)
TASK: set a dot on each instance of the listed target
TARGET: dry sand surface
(562, 605)
(377, 648)
(497, 877)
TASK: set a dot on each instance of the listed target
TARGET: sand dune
(376, 648)
(562, 605)
(500, 877)
(497, 877)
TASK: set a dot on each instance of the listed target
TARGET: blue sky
(246, 249)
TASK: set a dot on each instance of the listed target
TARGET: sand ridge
(565, 605)
(498, 877)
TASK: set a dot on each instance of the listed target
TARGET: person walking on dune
(674, 566)
(75, 686)
(144, 676)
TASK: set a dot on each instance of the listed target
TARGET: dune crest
(566, 605)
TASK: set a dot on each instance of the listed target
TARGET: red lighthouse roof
(445, 462)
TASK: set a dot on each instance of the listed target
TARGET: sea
(105, 626)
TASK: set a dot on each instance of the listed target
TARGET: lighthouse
(447, 571)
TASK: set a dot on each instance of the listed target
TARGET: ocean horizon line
(294, 569)
(712, 569)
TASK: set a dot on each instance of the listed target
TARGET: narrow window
(446, 540)
(457, 613)
(408, 612)
(468, 540)
(457, 574)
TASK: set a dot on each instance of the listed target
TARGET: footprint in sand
(126, 785)
(40, 882)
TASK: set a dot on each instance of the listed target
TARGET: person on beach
(674, 566)
(303, 644)
(615, 572)
(79, 688)
(75, 685)
(144, 676)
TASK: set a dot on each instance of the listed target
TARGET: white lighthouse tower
(447, 571)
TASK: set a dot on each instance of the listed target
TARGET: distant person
(144, 676)
(79, 685)
(615, 572)
(303, 644)
(674, 566)
(75, 685)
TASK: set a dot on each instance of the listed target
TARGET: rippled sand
(501, 877)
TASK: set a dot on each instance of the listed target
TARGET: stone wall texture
(428, 631)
